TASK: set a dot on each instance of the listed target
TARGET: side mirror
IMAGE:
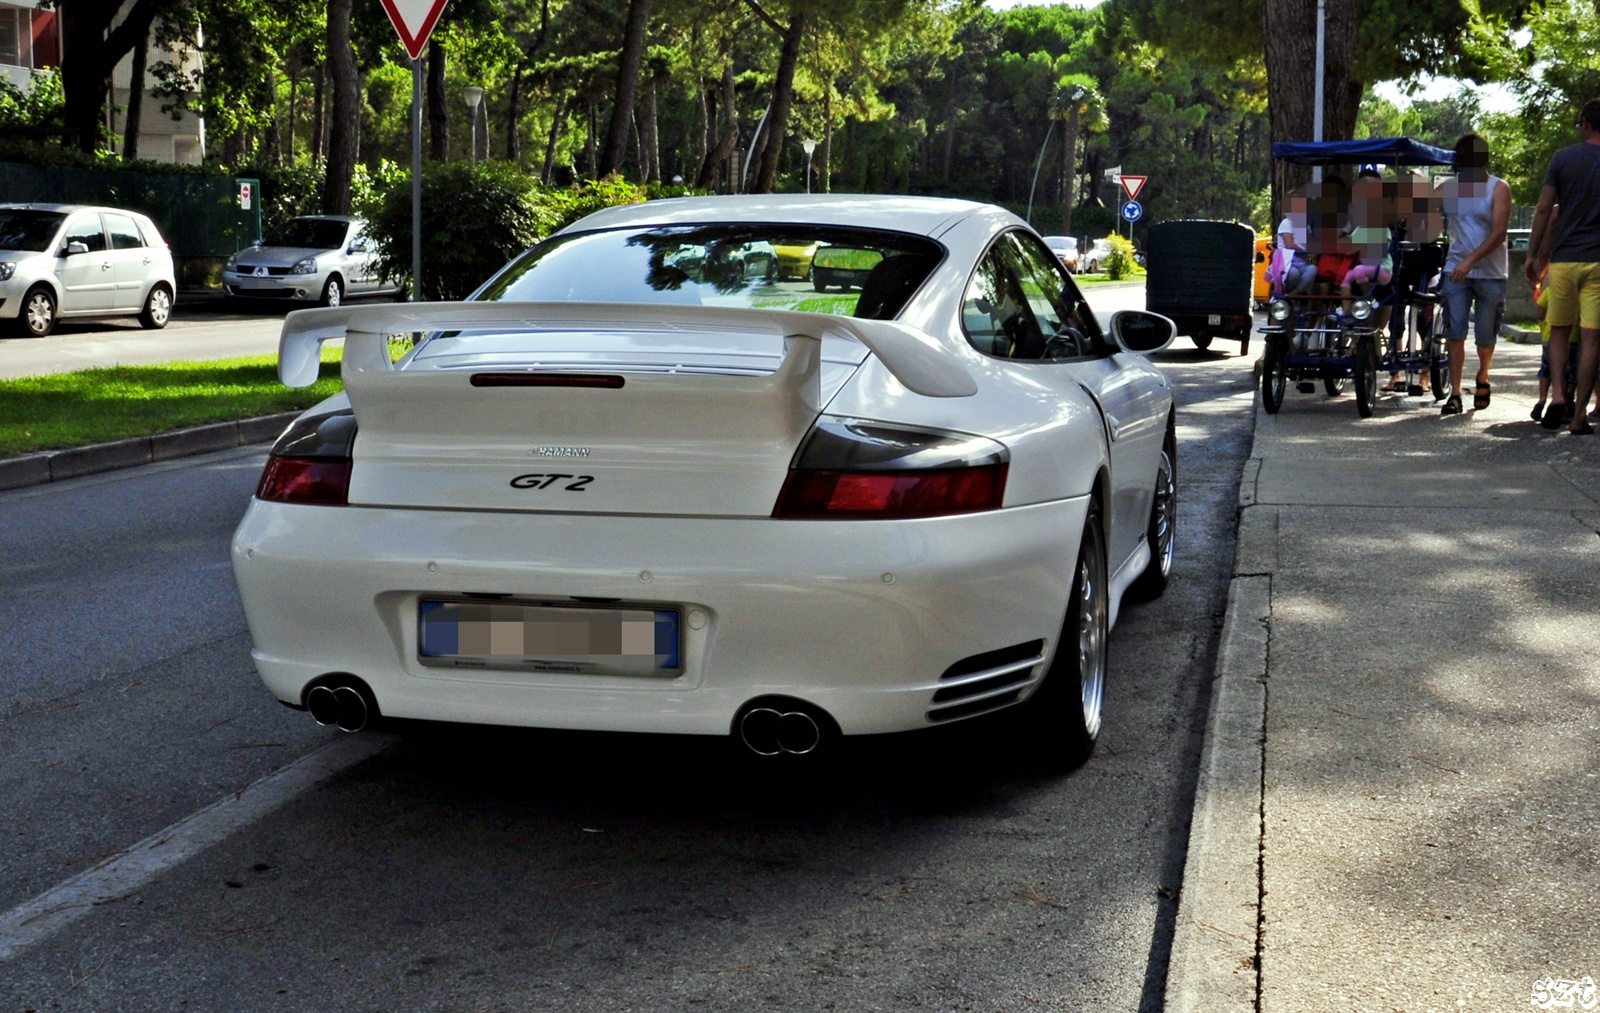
(1142, 332)
(76, 247)
(359, 246)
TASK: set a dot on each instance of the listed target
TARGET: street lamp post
(474, 98)
(810, 145)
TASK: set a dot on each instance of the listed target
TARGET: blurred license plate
(1214, 319)
(582, 640)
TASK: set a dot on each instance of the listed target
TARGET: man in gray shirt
(1573, 282)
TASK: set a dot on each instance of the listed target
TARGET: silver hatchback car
(68, 260)
(317, 258)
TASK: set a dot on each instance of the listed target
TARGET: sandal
(1584, 430)
(1392, 387)
(1452, 406)
(1554, 416)
(1480, 397)
(1538, 412)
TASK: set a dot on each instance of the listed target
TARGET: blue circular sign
(1132, 211)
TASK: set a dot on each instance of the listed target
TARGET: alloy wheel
(40, 313)
(1092, 616)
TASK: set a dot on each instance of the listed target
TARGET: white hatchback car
(67, 260)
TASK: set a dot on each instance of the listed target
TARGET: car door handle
(147, 262)
(106, 266)
(1113, 425)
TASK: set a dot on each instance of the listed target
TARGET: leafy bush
(475, 217)
(1119, 262)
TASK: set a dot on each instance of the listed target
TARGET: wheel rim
(40, 313)
(160, 305)
(1091, 644)
(1280, 374)
(334, 294)
(1164, 514)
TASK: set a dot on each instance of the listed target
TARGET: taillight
(311, 461)
(858, 469)
(305, 480)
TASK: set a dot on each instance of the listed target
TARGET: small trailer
(1201, 275)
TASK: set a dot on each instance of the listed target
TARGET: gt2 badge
(546, 481)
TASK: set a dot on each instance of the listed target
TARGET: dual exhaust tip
(345, 704)
(782, 727)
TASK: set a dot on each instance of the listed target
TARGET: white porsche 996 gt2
(642, 481)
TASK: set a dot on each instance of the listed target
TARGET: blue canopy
(1377, 150)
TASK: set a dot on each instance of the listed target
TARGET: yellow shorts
(1574, 295)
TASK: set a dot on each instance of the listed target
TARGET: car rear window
(816, 269)
(23, 229)
(308, 233)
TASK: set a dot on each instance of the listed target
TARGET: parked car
(316, 258)
(842, 266)
(795, 261)
(67, 260)
(592, 500)
(1066, 250)
(1093, 260)
(1201, 277)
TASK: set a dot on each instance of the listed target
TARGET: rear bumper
(858, 618)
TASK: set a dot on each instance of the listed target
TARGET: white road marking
(128, 871)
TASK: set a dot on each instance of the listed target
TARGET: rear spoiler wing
(913, 357)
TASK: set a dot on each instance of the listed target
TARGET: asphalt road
(201, 328)
(486, 870)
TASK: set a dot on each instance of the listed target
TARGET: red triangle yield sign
(1132, 184)
(414, 20)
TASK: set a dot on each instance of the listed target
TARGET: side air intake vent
(986, 681)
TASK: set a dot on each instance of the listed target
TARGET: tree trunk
(316, 114)
(949, 136)
(513, 140)
(652, 132)
(344, 135)
(438, 106)
(730, 132)
(556, 123)
(628, 64)
(782, 95)
(589, 155)
(703, 132)
(90, 49)
(827, 138)
(1069, 170)
(135, 110)
(294, 95)
(1289, 28)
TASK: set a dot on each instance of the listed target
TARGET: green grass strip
(95, 405)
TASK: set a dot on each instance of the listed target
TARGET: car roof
(1059, 239)
(928, 216)
(347, 219)
(67, 209)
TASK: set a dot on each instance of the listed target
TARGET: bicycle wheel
(1274, 373)
(1366, 375)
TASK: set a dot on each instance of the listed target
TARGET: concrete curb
(1215, 963)
(57, 465)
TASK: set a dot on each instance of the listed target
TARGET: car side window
(1062, 314)
(124, 233)
(85, 230)
(995, 310)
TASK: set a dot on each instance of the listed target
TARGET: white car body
(1094, 261)
(96, 262)
(319, 272)
(856, 617)
(1066, 250)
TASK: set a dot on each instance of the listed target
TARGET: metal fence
(199, 216)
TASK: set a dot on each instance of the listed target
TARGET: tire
(1366, 377)
(332, 292)
(1274, 374)
(1201, 341)
(1161, 533)
(1067, 709)
(818, 284)
(37, 316)
(1334, 385)
(157, 308)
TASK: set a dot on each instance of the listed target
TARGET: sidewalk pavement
(1400, 791)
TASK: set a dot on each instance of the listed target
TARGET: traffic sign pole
(416, 179)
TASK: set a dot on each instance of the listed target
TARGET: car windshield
(29, 230)
(308, 233)
(816, 269)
